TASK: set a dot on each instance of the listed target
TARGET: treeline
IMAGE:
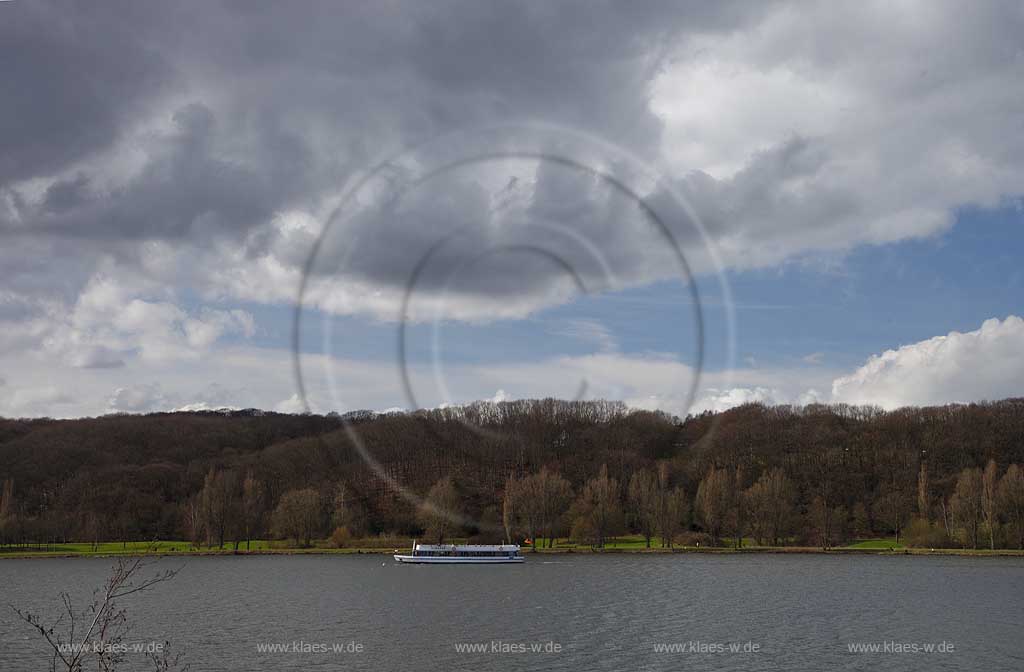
(984, 509)
(816, 475)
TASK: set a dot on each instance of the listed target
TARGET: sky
(684, 206)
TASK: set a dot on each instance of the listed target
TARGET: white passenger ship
(462, 555)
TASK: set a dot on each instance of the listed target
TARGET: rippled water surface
(600, 612)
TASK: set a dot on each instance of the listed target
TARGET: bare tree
(861, 520)
(893, 506)
(738, 513)
(7, 511)
(1011, 499)
(7, 498)
(438, 511)
(555, 496)
(643, 503)
(672, 508)
(529, 510)
(508, 507)
(218, 505)
(924, 496)
(990, 500)
(340, 505)
(193, 514)
(96, 635)
(966, 504)
(828, 523)
(207, 509)
(253, 504)
(598, 511)
(948, 523)
(93, 527)
(297, 515)
(714, 501)
(539, 502)
(771, 506)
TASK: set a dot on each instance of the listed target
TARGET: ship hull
(455, 560)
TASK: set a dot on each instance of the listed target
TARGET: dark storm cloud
(230, 113)
(73, 77)
(197, 124)
(297, 94)
(184, 190)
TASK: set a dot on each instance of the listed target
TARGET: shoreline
(760, 550)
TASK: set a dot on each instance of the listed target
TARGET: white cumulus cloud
(959, 367)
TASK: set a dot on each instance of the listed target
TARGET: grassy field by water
(625, 544)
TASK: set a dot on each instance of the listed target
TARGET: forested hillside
(815, 475)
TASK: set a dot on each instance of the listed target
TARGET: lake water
(614, 612)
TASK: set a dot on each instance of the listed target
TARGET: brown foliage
(215, 477)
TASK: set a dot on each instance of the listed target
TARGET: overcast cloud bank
(166, 167)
